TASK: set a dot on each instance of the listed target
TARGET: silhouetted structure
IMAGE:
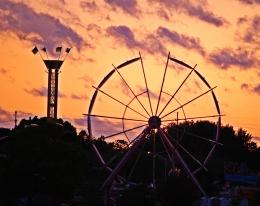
(53, 67)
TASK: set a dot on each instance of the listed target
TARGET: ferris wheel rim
(126, 63)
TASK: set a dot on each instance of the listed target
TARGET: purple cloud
(181, 39)
(100, 126)
(78, 97)
(90, 6)
(163, 14)
(153, 45)
(252, 31)
(250, 1)
(38, 92)
(153, 95)
(5, 116)
(128, 6)
(226, 58)
(41, 92)
(249, 88)
(124, 34)
(36, 27)
(256, 89)
(93, 30)
(197, 11)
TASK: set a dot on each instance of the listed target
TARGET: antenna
(53, 66)
(15, 119)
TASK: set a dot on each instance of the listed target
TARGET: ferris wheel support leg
(171, 147)
(125, 159)
(103, 162)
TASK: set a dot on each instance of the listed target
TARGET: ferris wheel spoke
(165, 70)
(120, 102)
(190, 101)
(174, 94)
(136, 96)
(188, 153)
(170, 146)
(190, 118)
(126, 157)
(167, 151)
(145, 80)
(136, 161)
(128, 130)
(113, 158)
(110, 117)
(203, 138)
(154, 158)
(200, 137)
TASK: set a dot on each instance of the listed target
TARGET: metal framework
(53, 67)
(153, 121)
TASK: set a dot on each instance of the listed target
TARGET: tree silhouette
(45, 160)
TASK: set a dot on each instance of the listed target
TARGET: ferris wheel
(150, 110)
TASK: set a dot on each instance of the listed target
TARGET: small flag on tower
(35, 50)
(58, 49)
(68, 50)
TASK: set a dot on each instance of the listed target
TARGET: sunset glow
(221, 37)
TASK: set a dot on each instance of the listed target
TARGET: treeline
(47, 163)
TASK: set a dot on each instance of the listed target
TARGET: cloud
(3, 71)
(124, 34)
(128, 6)
(38, 92)
(22, 114)
(94, 31)
(5, 116)
(251, 30)
(153, 95)
(197, 85)
(151, 42)
(181, 39)
(163, 14)
(90, 6)
(250, 88)
(87, 80)
(124, 88)
(36, 27)
(244, 86)
(79, 97)
(41, 92)
(100, 126)
(250, 1)
(189, 8)
(153, 45)
(226, 58)
(256, 89)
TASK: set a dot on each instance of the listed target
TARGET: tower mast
(53, 67)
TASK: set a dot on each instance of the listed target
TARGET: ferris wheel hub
(154, 122)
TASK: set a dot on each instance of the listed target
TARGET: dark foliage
(46, 161)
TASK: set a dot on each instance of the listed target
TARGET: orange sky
(221, 36)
